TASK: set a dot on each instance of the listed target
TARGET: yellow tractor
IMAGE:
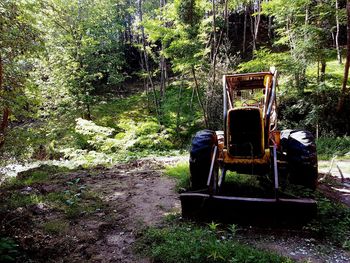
(250, 144)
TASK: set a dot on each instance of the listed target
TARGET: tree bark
(198, 96)
(337, 32)
(347, 63)
(156, 102)
(323, 70)
(5, 111)
(244, 31)
(162, 66)
(256, 24)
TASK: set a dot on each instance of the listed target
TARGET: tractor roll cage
(251, 81)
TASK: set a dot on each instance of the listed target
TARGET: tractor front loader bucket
(243, 210)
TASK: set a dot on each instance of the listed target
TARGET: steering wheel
(250, 103)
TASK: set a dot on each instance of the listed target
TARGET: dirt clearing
(128, 197)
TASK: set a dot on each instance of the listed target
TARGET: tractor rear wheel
(301, 152)
(203, 144)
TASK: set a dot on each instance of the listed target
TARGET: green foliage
(87, 58)
(332, 222)
(303, 26)
(37, 175)
(330, 146)
(265, 58)
(8, 250)
(232, 229)
(20, 40)
(185, 36)
(17, 199)
(189, 11)
(181, 172)
(213, 226)
(316, 106)
(245, 185)
(75, 200)
(189, 243)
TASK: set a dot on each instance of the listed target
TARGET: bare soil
(133, 196)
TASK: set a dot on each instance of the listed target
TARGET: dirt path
(138, 196)
(334, 180)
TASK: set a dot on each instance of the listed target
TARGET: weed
(188, 243)
(233, 229)
(181, 172)
(56, 227)
(21, 200)
(332, 222)
(8, 250)
(330, 146)
(346, 244)
(246, 185)
(213, 226)
(75, 201)
(36, 175)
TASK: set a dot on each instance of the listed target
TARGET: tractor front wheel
(301, 152)
(201, 153)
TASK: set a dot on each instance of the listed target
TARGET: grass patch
(56, 227)
(181, 172)
(332, 222)
(188, 243)
(8, 250)
(22, 200)
(247, 185)
(327, 147)
(75, 201)
(41, 174)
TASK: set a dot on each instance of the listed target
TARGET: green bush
(313, 109)
(330, 146)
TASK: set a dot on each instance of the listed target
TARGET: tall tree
(337, 31)
(347, 63)
(85, 39)
(19, 37)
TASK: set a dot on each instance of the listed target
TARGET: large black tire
(301, 152)
(200, 158)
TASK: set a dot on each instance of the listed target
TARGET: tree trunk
(244, 31)
(214, 28)
(269, 26)
(323, 70)
(198, 96)
(162, 67)
(347, 63)
(156, 102)
(255, 28)
(337, 32)
(211, 88)
(5, 110)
